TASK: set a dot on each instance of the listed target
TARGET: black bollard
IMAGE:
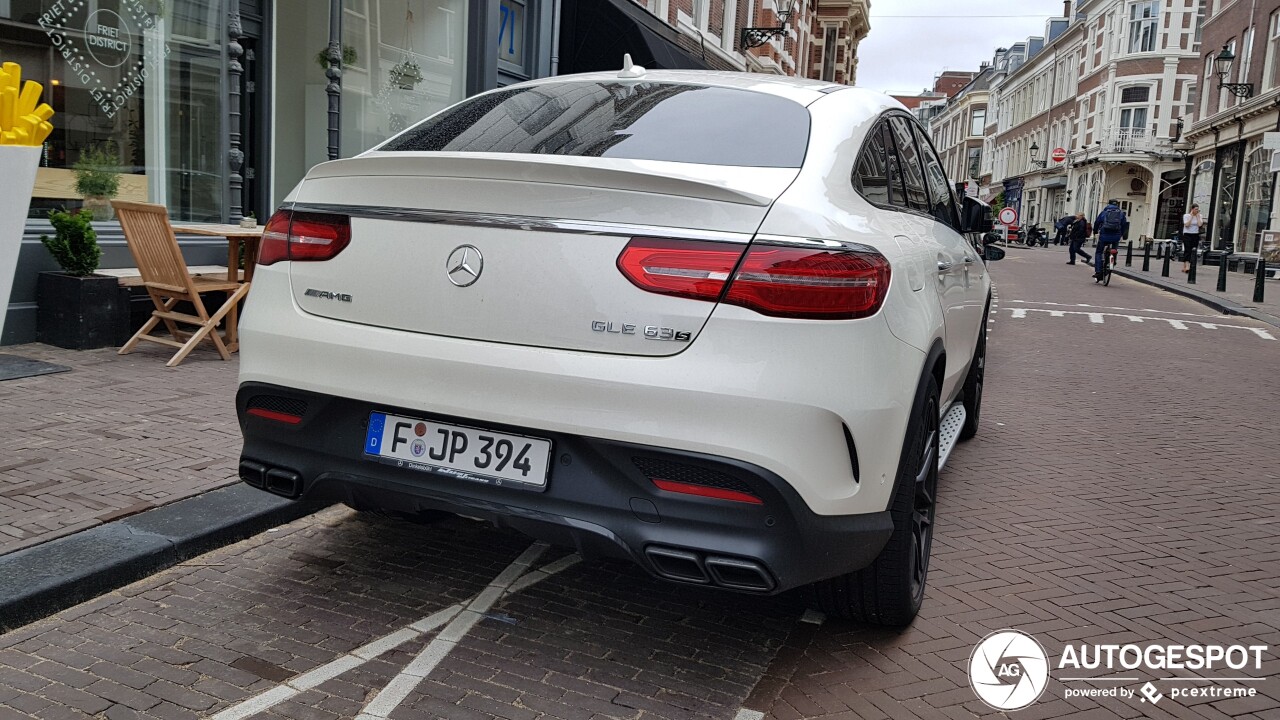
(1146, 257)
(1128, 255)
(1191, 273)
(1164, 268)
(1222, 273)
(1260, 278)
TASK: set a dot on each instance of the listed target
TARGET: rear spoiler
(739, 185)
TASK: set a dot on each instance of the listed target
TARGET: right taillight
(817, 283)
(303, 237)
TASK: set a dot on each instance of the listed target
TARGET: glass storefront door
(137, 82)
(1224, 205)
(1256, 214)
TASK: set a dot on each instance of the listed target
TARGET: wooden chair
(164, 275)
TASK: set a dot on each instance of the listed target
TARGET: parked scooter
(1037, 235)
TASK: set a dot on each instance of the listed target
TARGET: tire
(971, 395)
(889, 592)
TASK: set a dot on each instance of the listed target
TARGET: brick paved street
(1122, 489)
(115, 436)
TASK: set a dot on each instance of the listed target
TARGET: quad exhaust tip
(277, 481)
(716, 570)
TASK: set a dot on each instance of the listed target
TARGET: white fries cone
(18, 168)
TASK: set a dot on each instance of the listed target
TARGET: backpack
(1112, 220)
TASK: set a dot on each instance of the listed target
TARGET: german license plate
(462, 452)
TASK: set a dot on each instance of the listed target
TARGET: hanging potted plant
(349, 57)
(97, 180)
(75, 308)
(406, 75)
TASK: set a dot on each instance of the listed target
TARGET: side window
(897, 194)
(942, 204)
(871, 177)
(912, 169)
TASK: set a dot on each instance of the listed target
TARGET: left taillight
(303, 237)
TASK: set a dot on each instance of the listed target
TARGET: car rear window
(635, 121)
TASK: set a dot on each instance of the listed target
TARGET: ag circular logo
(1008, 670)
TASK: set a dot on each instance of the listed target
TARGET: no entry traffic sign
(1008, 216)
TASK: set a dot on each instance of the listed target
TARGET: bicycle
(1108, 262)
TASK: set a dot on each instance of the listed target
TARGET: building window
(977, 122)
(712, 17)
(829, 54)
(1132, 132)
(1143, 24)
(1208, 79)
(1245, 62)
(975, 162)
(1271, 72)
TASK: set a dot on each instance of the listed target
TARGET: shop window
(142, 83)
(410, 63)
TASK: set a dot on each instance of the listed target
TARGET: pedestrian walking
(1078, 232)
(1191, 224)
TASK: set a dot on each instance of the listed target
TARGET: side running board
(949, 432)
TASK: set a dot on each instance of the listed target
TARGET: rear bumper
(599, 497)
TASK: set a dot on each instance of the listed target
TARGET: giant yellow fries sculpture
(24, 120)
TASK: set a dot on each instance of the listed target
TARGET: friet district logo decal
(1008, 670)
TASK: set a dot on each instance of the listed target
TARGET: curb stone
(1221, 304)
(39, 581)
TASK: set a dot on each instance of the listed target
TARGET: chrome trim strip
(519, 222)
(790, 241)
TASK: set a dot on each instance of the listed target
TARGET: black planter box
(81, 313)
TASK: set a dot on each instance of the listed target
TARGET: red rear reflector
(708, 492)
(809, 283)
(694, 269)
(273, 415)
(303, 237)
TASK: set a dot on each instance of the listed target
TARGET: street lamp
(1035, 156)
(758, 36)
(1222, 64)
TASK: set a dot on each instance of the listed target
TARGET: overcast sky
(911, 41)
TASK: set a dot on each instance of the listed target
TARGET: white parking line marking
(745, 714)
(1099, 318)
(1109, 307)
(390, 697)
(423, 663)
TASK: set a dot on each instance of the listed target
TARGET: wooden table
(236, 236)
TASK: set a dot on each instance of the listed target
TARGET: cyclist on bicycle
(1112, 227)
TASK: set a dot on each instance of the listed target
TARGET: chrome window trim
(520, 222)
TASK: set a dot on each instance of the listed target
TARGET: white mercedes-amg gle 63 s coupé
(727, 326)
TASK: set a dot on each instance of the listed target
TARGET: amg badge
(650, 332)
(326, 295)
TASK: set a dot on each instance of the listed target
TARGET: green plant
(74, 244)
(349, 57)
(97, 172)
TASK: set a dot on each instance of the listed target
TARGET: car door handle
(968, 261)
(944, 267)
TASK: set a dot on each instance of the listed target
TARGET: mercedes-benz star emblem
(464, 265)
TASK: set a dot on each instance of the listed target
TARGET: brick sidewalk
(115, 436)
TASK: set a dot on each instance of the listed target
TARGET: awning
(1059, 181)
(594, 35)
